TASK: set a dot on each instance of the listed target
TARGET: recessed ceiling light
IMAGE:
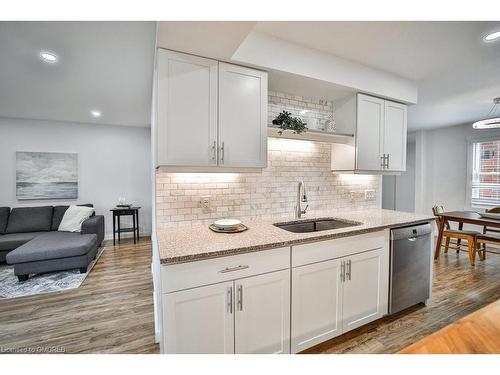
(492, 36)
(48, 57)
(95, 113)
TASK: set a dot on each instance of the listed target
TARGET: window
(486, 173)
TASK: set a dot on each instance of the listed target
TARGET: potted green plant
(285, 121)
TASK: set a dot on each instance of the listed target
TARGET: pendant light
(489, 123)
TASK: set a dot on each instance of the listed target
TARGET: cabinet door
(262, 320)
(242, 116)
(316, 304)
(394, 135)
(370, 118)
(187, 110)
(199, 320)
(365, 293)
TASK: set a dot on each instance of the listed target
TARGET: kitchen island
(268, 290)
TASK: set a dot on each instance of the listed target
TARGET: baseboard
(109, 236)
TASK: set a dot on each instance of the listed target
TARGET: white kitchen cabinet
(242, 116)
(394, 135)
(211, 116)
(365, 289)
(317, 304)
(187, 110)
(379, 144)
(234, 304)
(262, 318)
(199, 320)
(370, 123)
(337, 285)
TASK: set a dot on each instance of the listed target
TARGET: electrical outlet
(370, 195)
(204, 203)
(352, 195)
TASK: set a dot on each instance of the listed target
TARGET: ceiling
(456, 72)
(414, 50)
(104, 66)
(108, 66)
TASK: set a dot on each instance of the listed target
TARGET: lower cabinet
(316, 304)
(262, 319)
(199, 320)
(248, 315)
(365, 289)
(332, 297)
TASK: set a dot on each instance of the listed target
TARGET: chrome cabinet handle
(348, 273)
(214, 151)
(240, 297)
(222, 153)
(342, 271)
(230, 299)
(382, 161)
(412, 239)
(232, 269)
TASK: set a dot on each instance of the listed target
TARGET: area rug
(11, 287)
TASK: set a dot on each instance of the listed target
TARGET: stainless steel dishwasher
(410, 266)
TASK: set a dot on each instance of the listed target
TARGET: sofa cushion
(59, 213)
(74, 217)
(53, 245)
(30, 219)
(14, 240)
(4, 217)
(57, 216)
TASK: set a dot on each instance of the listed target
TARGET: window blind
(486, 173)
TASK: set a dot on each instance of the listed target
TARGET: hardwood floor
(112, 312)
(458, 291)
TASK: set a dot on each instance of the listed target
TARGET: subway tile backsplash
(267, 194)
(316, 113)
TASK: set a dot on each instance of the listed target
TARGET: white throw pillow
(74, 217)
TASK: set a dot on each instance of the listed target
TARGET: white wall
(441, 166)
(398, 192)
(113, 161)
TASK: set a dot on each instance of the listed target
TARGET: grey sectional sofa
(30, 241)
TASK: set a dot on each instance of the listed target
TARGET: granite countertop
(181, 245)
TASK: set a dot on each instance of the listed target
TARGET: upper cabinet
(187, 110)
(210, 114)
(242, 116)
(379, 144)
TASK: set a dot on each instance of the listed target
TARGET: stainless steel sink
(316, 225)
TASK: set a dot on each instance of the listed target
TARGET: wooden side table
(118, 212)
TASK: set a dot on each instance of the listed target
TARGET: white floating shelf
(311, 135)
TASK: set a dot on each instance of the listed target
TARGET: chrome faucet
(301, 197)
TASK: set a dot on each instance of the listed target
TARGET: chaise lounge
(30, 240)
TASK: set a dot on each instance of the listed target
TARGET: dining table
(462, 217)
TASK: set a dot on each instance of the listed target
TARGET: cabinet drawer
(331, 249)
(193, 274)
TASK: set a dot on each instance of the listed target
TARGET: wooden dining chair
(457, 235)
(487, 239)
